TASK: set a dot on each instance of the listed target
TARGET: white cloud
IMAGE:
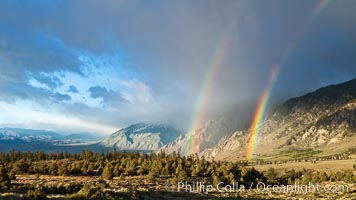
(35, 83)
(29, 115)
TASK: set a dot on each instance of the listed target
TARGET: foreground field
(325, 165)
(139, 187)
(124, 175)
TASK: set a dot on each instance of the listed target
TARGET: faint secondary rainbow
(202, 102)
(263, 102)
(316, 10)
(320, 6)
(259, 114)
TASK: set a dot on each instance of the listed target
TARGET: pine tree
(53, 168)
(4, 178)
(307, 177)
(84, 168)
(108, 172)
(12, 175)
(323, 176)
(182, 175)
(122, 177)
(348, 176)
(154, 173)
(231, 178)
(117, 170)
(131, 168)
(216, 179)
(271, 175)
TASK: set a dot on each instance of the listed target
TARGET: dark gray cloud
(52, 82)
(14, 91)
(171, 46)
(72, 89)
(25, 49)
(110, 97)
(60, 97)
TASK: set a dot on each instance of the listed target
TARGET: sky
(97, 66)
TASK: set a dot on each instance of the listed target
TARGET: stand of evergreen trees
(118, 164)
(175, 167)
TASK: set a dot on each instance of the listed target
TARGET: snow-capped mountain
(141, 136)
(28, 135)
(34, 140)
(32, 135)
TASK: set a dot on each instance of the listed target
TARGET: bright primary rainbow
(259, 114)
(263, 102)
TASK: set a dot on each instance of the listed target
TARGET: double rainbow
(199, 117)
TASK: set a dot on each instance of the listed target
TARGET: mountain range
(323, 120)
(33, 140)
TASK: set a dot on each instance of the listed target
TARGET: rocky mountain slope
(324, 119)
(202, 138)
(141, 136)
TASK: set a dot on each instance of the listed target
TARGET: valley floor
(324, 165)
(140, 187)
(131, 175)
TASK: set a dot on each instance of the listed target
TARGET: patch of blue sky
(106, 70)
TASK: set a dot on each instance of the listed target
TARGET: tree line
(175, 167)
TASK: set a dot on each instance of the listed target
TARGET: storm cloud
(123, 61)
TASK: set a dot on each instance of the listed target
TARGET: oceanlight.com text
(201, 187)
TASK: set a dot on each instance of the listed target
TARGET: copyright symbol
(169, 187)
